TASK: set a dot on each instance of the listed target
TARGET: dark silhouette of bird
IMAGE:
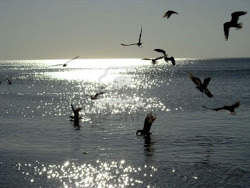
(233, 23)
(76, 116)
(201, 86)
(94, 97)
(65, 64)
(153, 60)
(150, 118)
(139, 43)
(231, 108)
(169, 13)
(166, 58)
(9, 81)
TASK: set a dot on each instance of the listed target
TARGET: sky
(63, 29)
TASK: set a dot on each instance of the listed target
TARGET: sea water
(190, 146)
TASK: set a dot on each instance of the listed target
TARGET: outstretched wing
(196, 80)
(206, 82)
(208, 93)
(100, 93)
(78, 109)
(129, 44)
(65, 64)
(148, 122)
(172, 60)
(72, 107)
(146, 59)
(160, 51)
(226, 28)
(236, 105)
(140, 35)
(169, 13)
(236, 15)
(215, 109)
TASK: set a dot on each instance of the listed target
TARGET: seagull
(169, 13)
(201, 86)
(94, 97)
(233, 23)
(65, 64)
(147, 125)
(153, 60)
(139, 43)
(76, 116)
(166, 58)
(229, 108)
(9, 81)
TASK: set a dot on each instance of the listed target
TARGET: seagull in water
(76, 116)
(201, 86)
(233, 23)
(147, 125)
(65, 64)
(94, 97)
(139, 43)
(166, 58)
(169, 13)
(231, 108)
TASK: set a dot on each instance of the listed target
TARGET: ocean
(190, 146)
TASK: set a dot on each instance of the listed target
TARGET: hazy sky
(58, 29)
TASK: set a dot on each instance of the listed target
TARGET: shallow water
(190, 146)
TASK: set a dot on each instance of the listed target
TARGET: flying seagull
(153, 60)
(147, 125)
(94, 97)
(169, 13)
(139, 43)
(166, 58)
(233, 23)
(65, 64)
(76, 116)
(229, 108)
(201, 86)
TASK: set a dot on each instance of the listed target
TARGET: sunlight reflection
(101, 174)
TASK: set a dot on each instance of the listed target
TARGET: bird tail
(239, 25)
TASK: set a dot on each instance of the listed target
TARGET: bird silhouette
(169, 13)
(139, 43)
(76, 116)
(153, 60)
(150, 118)
(166, 58)
(201, 86)
(65, 64)
(233, 23)
(231, 108)
(94, 97)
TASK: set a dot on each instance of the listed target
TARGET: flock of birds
(201, 86)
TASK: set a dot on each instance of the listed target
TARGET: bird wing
(215, 109)
(140, 35)
(236, 105)
(169, 13)
(172, 60)
(148, 122)
(160, 51)
(72, 107)
(235, 15)
(159, 58)
(196, 80)
(206, 82)
(65, 64)
(78, 109)
(208, 93)
(129, 44)
(97, 94)
(146, 58)
(226, 28)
